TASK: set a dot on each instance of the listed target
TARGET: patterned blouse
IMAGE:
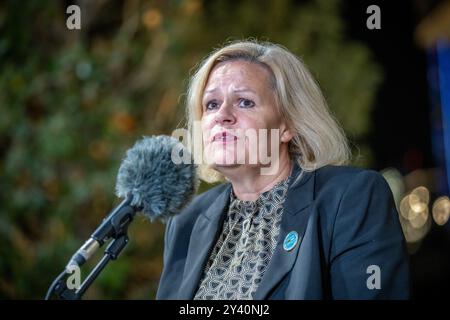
(245, 247)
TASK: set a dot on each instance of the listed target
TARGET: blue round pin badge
(290, 241)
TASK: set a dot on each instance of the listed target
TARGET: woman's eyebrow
(209, 91)
(239, 90)
(243, 90)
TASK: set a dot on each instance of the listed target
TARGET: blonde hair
(318, 138)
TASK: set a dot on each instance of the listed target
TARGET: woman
(308, 227)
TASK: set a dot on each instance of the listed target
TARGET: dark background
(402, 114)
(73, 101)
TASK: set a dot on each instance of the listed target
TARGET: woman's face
(237, 102)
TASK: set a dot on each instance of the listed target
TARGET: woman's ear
(286, 134)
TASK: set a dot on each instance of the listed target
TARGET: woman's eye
(211, 105)
(245, 103)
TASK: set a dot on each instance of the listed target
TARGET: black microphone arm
(114, 226)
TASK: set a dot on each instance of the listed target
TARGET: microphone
(152, 183)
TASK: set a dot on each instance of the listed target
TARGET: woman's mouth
(224, 137)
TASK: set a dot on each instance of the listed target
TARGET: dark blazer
(346, 219)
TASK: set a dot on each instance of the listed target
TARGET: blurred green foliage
(73, 101)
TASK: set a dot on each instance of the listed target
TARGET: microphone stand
(119, 242)
(111, 253)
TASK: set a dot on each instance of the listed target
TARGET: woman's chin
(219, 166)
(224, 163)
(223, 160)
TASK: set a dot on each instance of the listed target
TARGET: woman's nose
(225, 115)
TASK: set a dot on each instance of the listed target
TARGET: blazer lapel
(203, 237)
(295, 218)
(207, 227)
